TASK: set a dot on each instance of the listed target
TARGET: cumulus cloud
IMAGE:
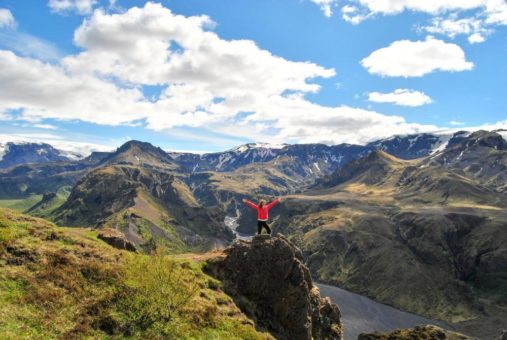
(428, 6)
(326, 6)
(6, 19)
(230, 87)
(452, 26)
(352, 14)
(476, 38)
(480, 15)
(403, 97)
(46, 91)
(77, 6)
(405, 58)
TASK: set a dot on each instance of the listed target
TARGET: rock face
(502, 336)
(421, 332)
(116, 239)
(269, 281)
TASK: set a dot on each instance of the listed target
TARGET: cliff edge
(269, 282)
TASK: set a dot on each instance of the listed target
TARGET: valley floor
(363, 315)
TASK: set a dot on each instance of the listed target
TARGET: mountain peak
(369, 169)
(141, 153)
(254, 146)
(484, 138)
(25, 152)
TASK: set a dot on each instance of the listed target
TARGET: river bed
(363, 315)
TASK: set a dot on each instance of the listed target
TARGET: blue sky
(208, 75)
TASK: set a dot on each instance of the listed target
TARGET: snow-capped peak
(3, 149)
(69, 149)
(502, 133)
(253, 146)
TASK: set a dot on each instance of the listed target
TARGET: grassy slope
(20, 204)
(23, 204)
(64, 282)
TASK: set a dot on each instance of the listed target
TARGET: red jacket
(262, 213)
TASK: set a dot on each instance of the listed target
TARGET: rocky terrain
(37, 178)
(416, 222)
(139, 190)
(434, 237)
(269, 280)
(304, 162)
(66, 282)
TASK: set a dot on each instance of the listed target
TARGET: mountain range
(418, 222)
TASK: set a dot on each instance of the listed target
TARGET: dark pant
(261, 224)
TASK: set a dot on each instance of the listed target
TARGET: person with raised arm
(262, 213)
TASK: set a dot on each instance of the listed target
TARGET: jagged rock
(269, 281)
(116, 239)
(502, 336)
(421, 332)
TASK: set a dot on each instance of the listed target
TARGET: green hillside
(65, 283)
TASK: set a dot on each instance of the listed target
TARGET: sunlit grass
(64, 283)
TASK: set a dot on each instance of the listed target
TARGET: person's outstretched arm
(273, 203)
(251, 204)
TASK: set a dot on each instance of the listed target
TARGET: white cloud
(326, 6)
(403, 97)
(405, 58)
(456, 123)
(476, 38)
(22, 43)
(230, 87)
(47, 91)
(481, 15)
(45, 126)
(6, 19)
(29, 45)
(427, 6)
(77, 6)
(452, 26)
(352, 15)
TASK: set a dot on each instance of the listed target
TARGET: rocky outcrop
(269, 282)
(502, 336)
(116, 239)
(422, 332)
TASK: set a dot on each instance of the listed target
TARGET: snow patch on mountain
(4, 148)
(502, 133)
(440, 144)
(68, 149)
(252, 146)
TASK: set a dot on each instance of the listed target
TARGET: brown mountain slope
(410, 234)
(148, 205)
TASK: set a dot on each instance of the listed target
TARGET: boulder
(116, 239)
(270, 283)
